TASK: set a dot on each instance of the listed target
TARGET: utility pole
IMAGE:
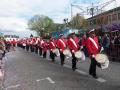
(91, 10)
(92, 13)
(71, 11)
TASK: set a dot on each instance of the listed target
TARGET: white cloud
(110, 4)
(13, 24)
(14, 13)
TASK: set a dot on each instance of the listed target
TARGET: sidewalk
(2, 73)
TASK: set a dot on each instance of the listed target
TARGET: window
(109, 18)
(118, 16)
(114, 17)
(94, 21)
(105, 20)
(91, 22)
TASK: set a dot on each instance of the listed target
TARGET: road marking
(85, 73)
(67, 66)
(79, 71)
(40, 80)
(82, 72)
(50, 80)
(47, 78)
(48, 59)
(14, 86)
(101, 80)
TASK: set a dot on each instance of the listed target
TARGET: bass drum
(67, 53)
(103, 60)
(80, 55)
(56, 51)
(105, 65)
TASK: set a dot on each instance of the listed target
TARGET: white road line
(47, 78)
(79, 71)
(85, 73)
(50, 80)
(38, 80)
(67, 66)
(101, 80)
(14, 86)
(82, 72)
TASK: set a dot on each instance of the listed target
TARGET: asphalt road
(29, 71)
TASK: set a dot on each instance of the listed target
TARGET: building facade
(108, 21)
(11, 37)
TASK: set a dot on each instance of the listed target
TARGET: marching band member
(62, 44)
(73, 44)
(27, 44)
(31, 48)
(93, 49)
(8, 46)
(24, 43)
(52, 46)
(40, 46)
(45, 46)
(36, 45)
(83, 45)
(13, 42)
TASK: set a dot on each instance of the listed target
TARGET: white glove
(101, 49)
(93, 56)
(61, 50)
(81, 47)
(73, 51)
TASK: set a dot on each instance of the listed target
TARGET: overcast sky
(14, 14)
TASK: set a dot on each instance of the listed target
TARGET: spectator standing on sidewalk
(2, 50)
(105, 43)
(117, 40)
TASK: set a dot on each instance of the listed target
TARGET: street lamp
(66, 22)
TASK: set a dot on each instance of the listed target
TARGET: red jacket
(13, 42)
(33, 41)
(84, 41)
(41, 43)
(52, 45)
(62, 44)
(27, 42)
(45, 46)
(73, 44)
(92, 49)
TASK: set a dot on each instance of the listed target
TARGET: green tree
(41, 24)
(78, 22)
